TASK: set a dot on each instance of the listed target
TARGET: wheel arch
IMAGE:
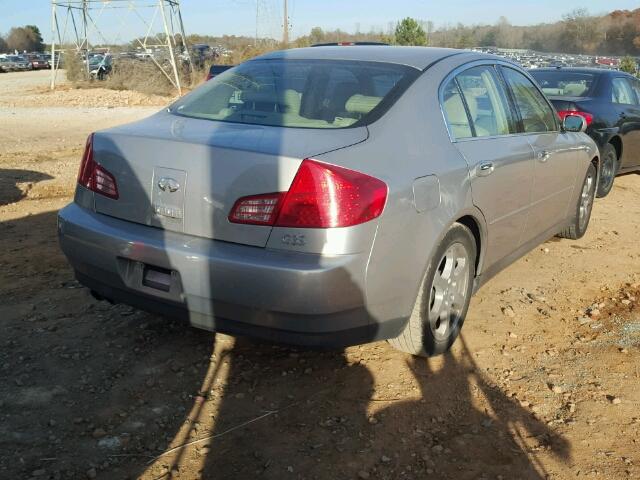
(616, 142)
(474, 221)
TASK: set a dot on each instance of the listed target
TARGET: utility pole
(285, 33)
(257, 20)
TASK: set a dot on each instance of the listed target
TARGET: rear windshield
(299, 93)
(564, 84)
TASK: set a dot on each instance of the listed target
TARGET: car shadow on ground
(307, 414)
(10, 192)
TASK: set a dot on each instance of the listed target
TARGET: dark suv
(610, 103)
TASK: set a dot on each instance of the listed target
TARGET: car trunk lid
(184, 174)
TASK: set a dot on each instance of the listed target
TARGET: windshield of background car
(564, 84)
(299, 93)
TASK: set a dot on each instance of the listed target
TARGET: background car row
(31, 61)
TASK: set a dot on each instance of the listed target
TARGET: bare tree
(25, 38)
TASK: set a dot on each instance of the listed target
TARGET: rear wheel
(583, 210)
(444, 296)
(608, 170)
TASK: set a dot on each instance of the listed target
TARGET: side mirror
(574, 123)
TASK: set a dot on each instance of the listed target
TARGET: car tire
(580, 223)
(609, 165)
(445, 291)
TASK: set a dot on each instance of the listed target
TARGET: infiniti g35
(330, 195)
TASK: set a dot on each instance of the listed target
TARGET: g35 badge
(294, 240)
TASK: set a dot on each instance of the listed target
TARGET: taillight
(587, 116)
(320, 196)
(94, 176)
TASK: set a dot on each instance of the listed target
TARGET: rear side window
(455, 111)
(486, 102)
(621, 92)
(536, 114)
(299, 93)
(563, 83)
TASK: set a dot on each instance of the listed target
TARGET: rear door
(556, 159)
(500, 163)
(625, 94)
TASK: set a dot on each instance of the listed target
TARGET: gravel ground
(542, 384)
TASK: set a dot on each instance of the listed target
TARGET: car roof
(417, 57)
(595, 71)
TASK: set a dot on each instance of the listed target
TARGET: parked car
(216, 70)
(100, 66)
(37, 62)
(609, 101)
(19, 62)
(14, 63)
(6, 65)
(330, 195)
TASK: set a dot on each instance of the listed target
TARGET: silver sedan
(330, 195)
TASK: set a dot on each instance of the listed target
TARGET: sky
(217, 17)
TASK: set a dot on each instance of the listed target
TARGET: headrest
(361, 104)
(574, 89)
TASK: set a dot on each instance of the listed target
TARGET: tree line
(22, 39)
(617, 33)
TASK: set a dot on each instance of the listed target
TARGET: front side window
(455, 111)
(486, 102)
(635, 84)
(621, 92)
(537, 116)
(299, 93)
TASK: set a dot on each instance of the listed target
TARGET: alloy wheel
(448, 291)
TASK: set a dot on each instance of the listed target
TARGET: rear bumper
(282, 296)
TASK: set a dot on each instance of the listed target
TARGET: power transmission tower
(75, 22)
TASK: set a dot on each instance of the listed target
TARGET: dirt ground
(542, 384)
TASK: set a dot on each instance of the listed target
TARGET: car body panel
(555, 174)
(629, 127)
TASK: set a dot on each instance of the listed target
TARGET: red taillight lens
(87, 165)
(565, 113)
(325, 196)
(256, 209)
(95, 177)
(321, 196)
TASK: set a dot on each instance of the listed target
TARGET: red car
(38, 62)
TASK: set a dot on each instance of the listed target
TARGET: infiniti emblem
(167, 184)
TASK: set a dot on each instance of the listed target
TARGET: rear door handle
(543, 156)
(485, 169)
